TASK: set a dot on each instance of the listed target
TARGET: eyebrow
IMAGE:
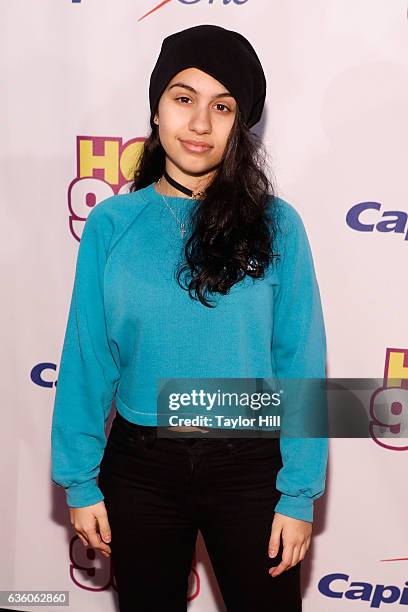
(220, 95)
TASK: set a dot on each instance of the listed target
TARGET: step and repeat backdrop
(75, 115)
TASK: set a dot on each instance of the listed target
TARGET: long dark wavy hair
(233, 225)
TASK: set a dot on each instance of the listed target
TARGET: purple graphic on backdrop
(366, 217)
(339, 585)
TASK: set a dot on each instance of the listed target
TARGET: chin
(194, 168)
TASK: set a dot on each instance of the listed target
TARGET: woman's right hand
(92, 526)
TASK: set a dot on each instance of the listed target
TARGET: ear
(156, 120)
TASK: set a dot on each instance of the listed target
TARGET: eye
(223, 109)
(219, 104)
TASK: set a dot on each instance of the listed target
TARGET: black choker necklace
(181, 187)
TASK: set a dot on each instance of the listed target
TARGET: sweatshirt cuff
(296, 507)
(84, 494)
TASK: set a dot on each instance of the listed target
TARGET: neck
(167, 185)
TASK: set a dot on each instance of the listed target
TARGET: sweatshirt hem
(135, 416)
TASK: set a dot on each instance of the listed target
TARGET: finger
(303, 551)
(82, 538)
(104, 528)
(92, 535)
(287, 556)
(274, 540)
(86, 544)
(96, 542)
(296, 555)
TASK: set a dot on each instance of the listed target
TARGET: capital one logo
(389, 405)
(164, 2)
(339, 586)
(191, 2)
(368, 217)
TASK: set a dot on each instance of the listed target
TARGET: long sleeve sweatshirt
(130, 323)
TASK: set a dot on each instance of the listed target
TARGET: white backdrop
(76, 111)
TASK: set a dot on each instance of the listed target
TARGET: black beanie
(223, 54)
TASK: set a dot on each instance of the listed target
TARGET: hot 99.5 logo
(105, 166)
(92, 572)
(389, 404)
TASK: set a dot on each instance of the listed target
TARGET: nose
(200, 121)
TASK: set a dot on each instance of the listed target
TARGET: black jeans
(160, 491)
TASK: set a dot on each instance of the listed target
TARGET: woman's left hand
(296, 536)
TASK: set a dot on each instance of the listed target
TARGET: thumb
(274, 540)
(104, 529)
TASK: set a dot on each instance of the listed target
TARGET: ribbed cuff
(296, 507)
(84, 494)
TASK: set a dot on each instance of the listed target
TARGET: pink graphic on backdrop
(393, 396)
(154, 9)
(85, 566)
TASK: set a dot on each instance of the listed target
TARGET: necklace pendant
(182, 229)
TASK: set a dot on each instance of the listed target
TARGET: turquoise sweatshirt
(129, 323)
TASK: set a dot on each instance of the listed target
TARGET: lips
(195, 147)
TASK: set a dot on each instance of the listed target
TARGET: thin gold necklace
(181, 224)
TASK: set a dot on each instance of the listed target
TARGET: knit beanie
(223, 54)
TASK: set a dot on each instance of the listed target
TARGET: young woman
(200, 271)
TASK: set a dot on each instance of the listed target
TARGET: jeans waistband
(120, 420)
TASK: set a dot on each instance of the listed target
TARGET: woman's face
(195, 108)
